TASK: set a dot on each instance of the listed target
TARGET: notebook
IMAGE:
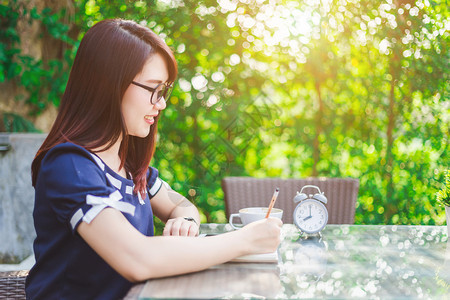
(258, 258)
(271, 257)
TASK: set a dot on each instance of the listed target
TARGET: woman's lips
(149, 119)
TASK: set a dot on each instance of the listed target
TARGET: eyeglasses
(162, 90)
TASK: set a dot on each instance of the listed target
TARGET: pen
(272, 202)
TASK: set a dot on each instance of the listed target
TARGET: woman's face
(138, 112)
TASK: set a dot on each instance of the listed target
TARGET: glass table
(347, 261)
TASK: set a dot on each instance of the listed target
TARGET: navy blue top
(74, 185)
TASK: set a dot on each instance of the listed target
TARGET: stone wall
(17, 151)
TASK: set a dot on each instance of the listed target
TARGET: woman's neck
(111, 158)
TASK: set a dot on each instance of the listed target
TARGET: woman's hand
(138, 257)
(263, 236)
(172, 208)
(180, 227)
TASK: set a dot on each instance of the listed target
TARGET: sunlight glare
(227, 5)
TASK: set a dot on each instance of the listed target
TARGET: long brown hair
(110, 55)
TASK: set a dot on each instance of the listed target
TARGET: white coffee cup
(252, 214)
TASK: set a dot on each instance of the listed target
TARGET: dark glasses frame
(163, 92)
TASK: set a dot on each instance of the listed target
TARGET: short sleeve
(154, 183)
(75, 186)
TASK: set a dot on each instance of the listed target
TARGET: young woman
(95, 192)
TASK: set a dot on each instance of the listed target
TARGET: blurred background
(346, 88)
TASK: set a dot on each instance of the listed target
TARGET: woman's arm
(138, 257)
(172, 208)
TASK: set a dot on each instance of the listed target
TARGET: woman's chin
(141, 134)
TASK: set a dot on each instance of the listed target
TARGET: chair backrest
(243, 192)
(12, 284)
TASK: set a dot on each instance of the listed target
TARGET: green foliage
(15, 123)
(42, 80)
(297, 89)
(443, 196)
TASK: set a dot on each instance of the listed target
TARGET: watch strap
(190, 219)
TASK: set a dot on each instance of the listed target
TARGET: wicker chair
(243, 192)
(12, 284)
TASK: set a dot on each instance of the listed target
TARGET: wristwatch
(191, 219)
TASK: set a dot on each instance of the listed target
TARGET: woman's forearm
(138, 257)
(186, 211)
(179, 255)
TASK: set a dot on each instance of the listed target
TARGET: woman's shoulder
(68, 152)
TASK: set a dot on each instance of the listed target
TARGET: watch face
(310, 216)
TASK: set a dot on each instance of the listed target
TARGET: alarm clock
(310, 214)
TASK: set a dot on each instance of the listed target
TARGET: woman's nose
(161, 104)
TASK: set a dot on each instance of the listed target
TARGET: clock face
(310, 216)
